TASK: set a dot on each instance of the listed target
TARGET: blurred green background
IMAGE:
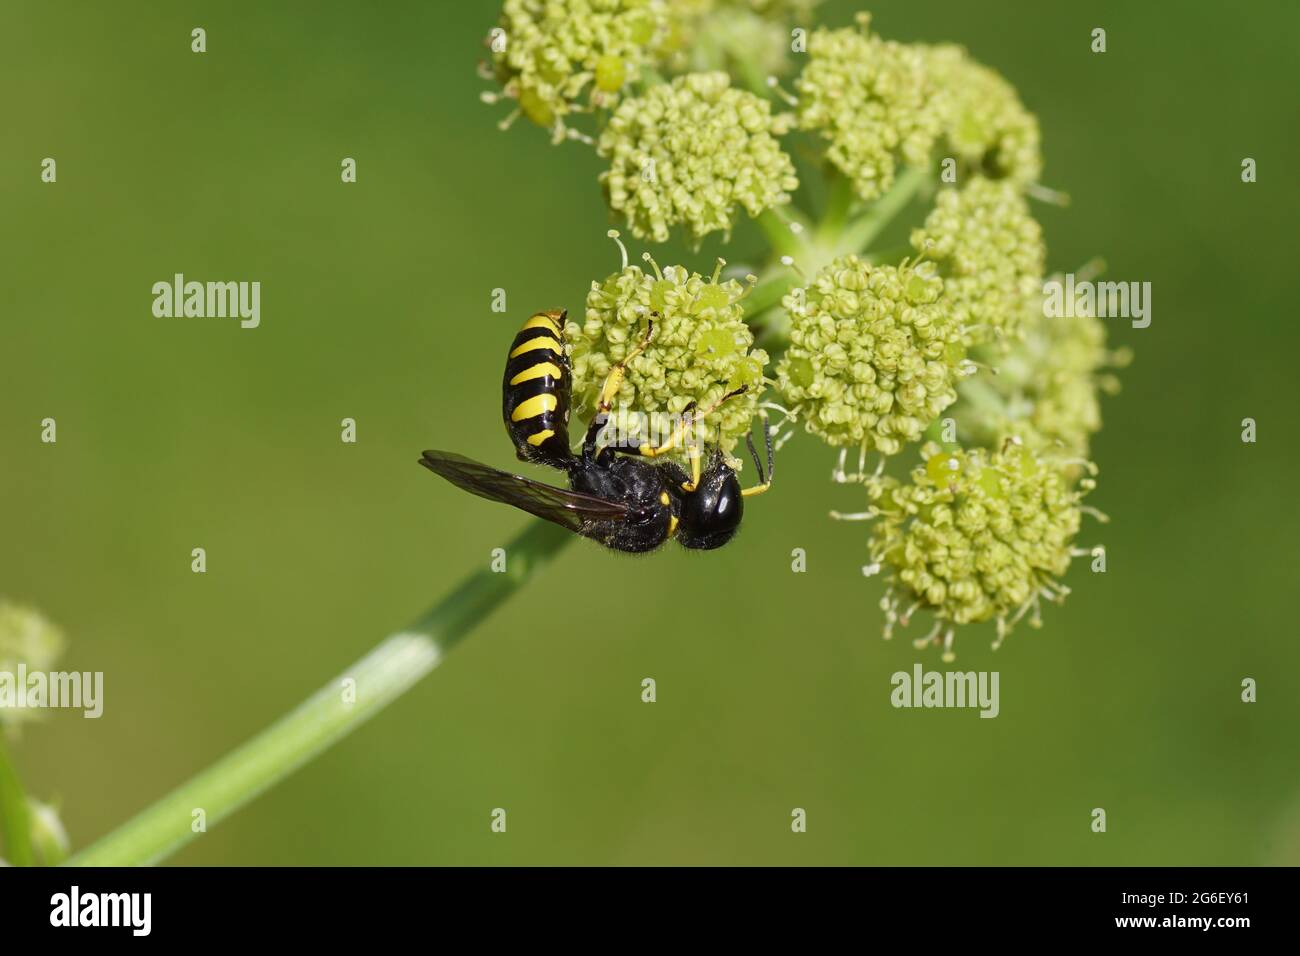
(773, 687)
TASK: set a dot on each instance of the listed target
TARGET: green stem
(379, 678)
(838, 202)
(15, 815)
(859, 233)
(779, 235)
(768, 293)
(753, 78)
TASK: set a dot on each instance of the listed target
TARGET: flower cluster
(28, 639)
(705, 35)
(984, 122)
(874, 354)
(991, 254)
(873, 101)
(701, 349)
(974, 536)
(1047, 392)
(688, 153)
(871, 355)
(560, 56)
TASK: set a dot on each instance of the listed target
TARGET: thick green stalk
(839, 200)
(859, 233)
(769, 292)
(15, 816)
(371, 683)
(780, 236)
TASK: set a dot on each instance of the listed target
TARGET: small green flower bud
(28, 639)
(872, 100)
(983, 120)
(991, 255)
(688, 153)
(869, 361)
(975, 536)
(701, 350)
(48, 835)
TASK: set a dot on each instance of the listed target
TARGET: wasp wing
(569, 509)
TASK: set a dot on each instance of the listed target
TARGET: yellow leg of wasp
(675, 439)
(694, 483)
(679, 435)
(614, 380)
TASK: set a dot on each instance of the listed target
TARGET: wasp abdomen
(536, 390)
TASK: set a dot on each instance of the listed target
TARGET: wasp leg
(764, 481)
(679, 436)
(613, 382)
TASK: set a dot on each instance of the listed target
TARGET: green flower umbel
(26, 638)
(1047, 390)
(872, 100)
(984, 122)
(689, 153)
(974, 536)
(990, 252)
(701, 349)
(874, 355)
(563, 56)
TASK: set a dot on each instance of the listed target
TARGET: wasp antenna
(613, 234)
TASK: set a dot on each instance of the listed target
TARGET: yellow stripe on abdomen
(543, 321)
(541, 342)
(540, 437)
(532, 407)
(537, 371)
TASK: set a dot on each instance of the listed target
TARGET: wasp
(621, 494)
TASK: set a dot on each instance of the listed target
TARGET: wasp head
(711, 513)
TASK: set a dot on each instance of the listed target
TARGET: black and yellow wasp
(617, 494)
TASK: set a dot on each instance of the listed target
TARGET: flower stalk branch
(380, 677)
